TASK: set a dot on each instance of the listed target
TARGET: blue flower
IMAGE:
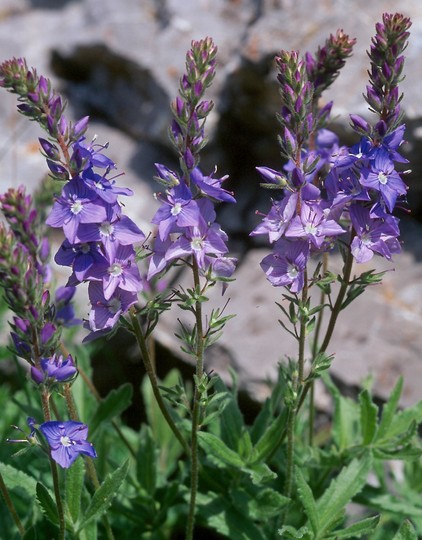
(67, 440)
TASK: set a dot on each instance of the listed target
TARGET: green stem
(196, 408)
(11, 506)
(347, 271)
(153, 379)
(314, 353)
(58, 498)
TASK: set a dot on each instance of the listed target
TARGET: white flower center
(114, 305)
(115, 269)
(310, 229)
(177, 208)
(99, 185)
(106, 228)
(382, 178)
(292, 271)
(197, 244)
(76, 207)
(365, 239)
(65, 441)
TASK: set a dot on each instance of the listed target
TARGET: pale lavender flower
(286, 265)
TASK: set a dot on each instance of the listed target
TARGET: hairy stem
(196, 408)
(11, 507)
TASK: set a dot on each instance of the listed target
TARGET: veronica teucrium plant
(197, 465)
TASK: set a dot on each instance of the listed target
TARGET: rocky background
(120, 62)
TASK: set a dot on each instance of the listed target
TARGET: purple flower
(67, 440)
(177, 210)
(313, 225)
(111, 233)
(278, 218)
(104, 188)
(211, 187)
(105, 313)
(91, 155)
(286, 265)
(76, 205)
(65, 312)
(199, 241)
(119, 271)
(373, 235)
(384, 178)
(81, 257)
(55, 369)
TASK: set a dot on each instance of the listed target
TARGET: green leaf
(401, 421)
(220, 514)
(269, 441)
(214, 447)
(112, 405)
(146, 463)
(358, 529)
(260, 473)
(406, 532)
(290, 533)
(232, 422)
(346, 417)
(341, 490)
(308, 501)
(13, 478)
(261, 504)
(74, 484)
(384, 502)
(104, 495)
(389, 410)
(368, 417)
(47, 503)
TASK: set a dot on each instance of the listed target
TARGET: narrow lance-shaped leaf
(406, 532)
(111, 406)
(308, 501)
(368, 417)
(74, 484)
(47, 504)
(104, 495)
(342, 489)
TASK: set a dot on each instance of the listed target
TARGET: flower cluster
(24, 276)
(329, 190)
(99, 238)
(186, 218)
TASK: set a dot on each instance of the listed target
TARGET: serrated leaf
(406, 532)
(402, 421)
(74, 484)
(385, 502)
(366, 526)
(341, 491)
(260, 473)
(215, 447)
(389, 410)
(146, 463)
(290, 533)
(220, 514)
(269, 441)
(116, 401)
(368, 417)
(261, 504)
(104, 495)
(47, 503)
(308, 501)
(13, 478)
